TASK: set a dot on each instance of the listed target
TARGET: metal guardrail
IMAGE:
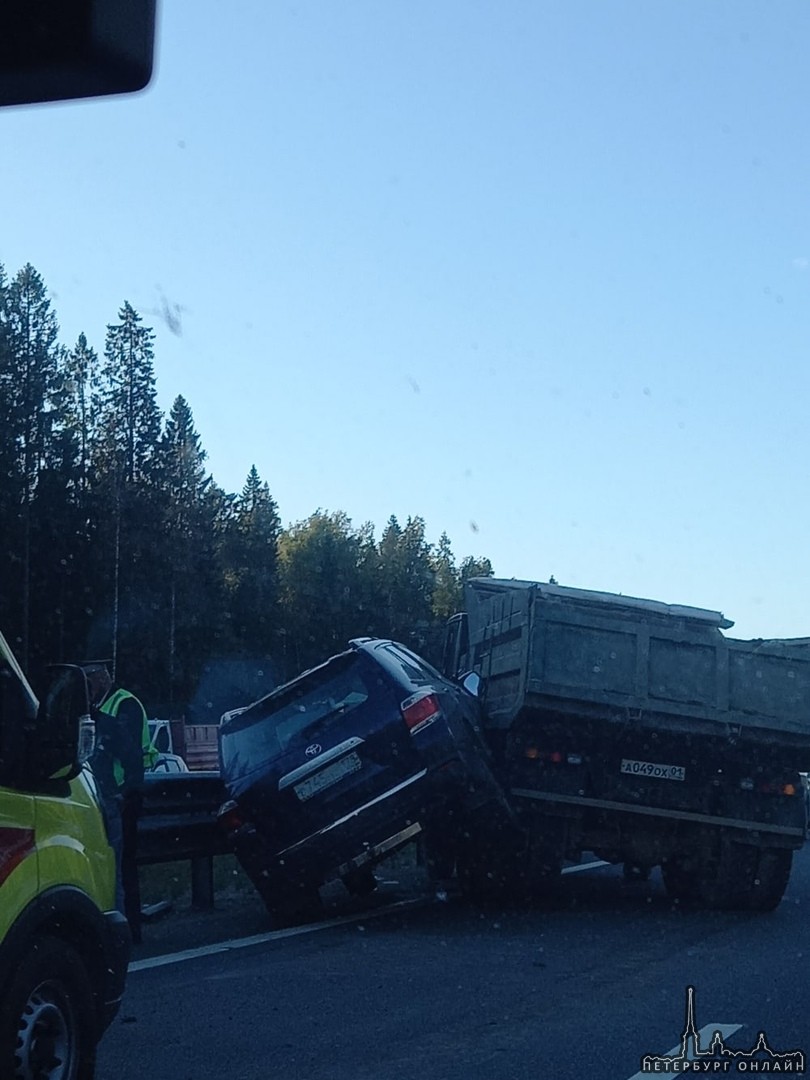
(178, 822)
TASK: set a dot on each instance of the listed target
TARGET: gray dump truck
(639, 731)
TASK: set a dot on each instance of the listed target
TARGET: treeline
(117, 543)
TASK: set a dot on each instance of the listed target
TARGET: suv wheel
(360, 882)
(290, 904)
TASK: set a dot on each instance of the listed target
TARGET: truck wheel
(771, 878)
(545, 863)
(681, 882)
(726, 882)
(440, 854)
(493, 878)
(49, 1025)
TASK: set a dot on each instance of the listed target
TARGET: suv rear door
(318, 749)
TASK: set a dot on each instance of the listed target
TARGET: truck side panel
(638, 731)
(554, 652)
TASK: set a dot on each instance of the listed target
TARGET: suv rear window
(297, 712)
(405, 665)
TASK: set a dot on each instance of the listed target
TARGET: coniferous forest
(117, 543)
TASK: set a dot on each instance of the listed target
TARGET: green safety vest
(150, 754)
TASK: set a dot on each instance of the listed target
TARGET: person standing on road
(123, 751)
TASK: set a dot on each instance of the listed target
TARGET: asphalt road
(583, 985)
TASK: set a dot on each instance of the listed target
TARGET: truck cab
(64, 949)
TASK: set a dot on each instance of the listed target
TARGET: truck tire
(545, 863)
(440, 857)
(681, 881)
(496, 877)
(49, 1024)
(727, 879)
(771, 878)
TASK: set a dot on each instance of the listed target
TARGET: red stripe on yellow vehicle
(15, 845)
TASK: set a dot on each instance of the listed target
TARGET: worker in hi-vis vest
(123, 751)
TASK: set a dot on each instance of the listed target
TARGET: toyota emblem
(313, 750)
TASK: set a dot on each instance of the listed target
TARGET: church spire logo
(716, 1058)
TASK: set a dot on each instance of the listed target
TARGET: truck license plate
(329, 775)
(649, 768)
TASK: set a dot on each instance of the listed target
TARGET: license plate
(650, 768)
(329, 775)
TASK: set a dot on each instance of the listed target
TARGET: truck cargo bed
(625, 661)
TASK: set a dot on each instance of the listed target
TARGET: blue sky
(537, 272)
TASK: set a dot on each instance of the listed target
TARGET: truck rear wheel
(771, 878)
(486, 881)
(545, 863)
(726, 881)
(49, 1026)
(492, 875)
(681, 881)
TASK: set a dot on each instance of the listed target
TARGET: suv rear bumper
(360, 838)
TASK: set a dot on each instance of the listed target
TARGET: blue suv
(338, 768)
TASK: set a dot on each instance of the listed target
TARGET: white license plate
(650, 768)
(329, 775)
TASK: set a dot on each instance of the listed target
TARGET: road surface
(582, 985)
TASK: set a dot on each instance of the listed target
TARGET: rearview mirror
(57, 50)
(471, 683)
(62, 725)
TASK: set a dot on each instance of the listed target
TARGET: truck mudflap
(794, 833)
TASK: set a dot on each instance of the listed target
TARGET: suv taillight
(419, 710)
(230, 817)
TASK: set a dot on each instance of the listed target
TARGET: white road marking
(260, 939)
(584, 866)
(293, 931)
(705, 1034)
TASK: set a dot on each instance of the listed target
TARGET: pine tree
(130, 416)
(252, 570)
(125, 452)
(81, 378)
(389, 573)
(475, 567)
(189, 573)
(446, 583)
(407, 578)
(319, 561)
(29, 369)
(183, 463)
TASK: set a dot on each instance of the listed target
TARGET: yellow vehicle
(64, 950)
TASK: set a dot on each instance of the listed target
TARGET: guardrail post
(202, 882)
